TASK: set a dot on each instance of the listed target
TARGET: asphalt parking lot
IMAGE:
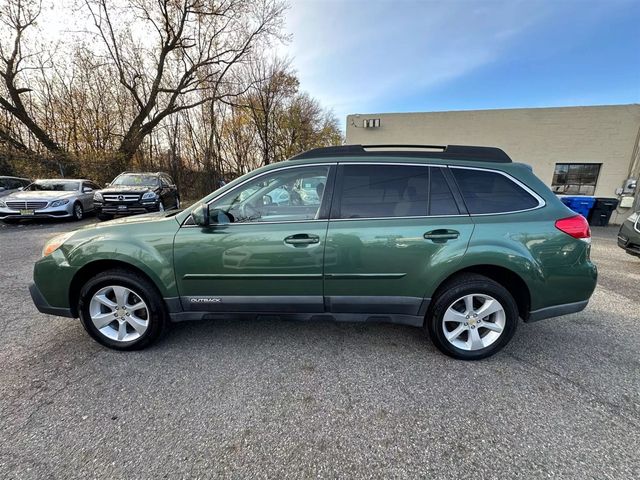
(282, 399)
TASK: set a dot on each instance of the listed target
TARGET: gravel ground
(273, 398)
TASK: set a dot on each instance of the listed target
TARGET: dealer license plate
(26, 212)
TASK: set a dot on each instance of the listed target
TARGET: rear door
(393, 229)
(86, 196)
(169, 191)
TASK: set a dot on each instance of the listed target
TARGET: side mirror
(106, 184)
(1, 189)
(200, 215)
(21, 188)
(87, 190)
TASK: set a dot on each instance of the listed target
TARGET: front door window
(291, 194)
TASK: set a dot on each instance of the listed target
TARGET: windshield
(136, 180)
(53, 186)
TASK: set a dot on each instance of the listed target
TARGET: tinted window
(372, 191)
(441, 198)
(9, 183)
(490, 192)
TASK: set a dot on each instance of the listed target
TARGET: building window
(575, 178)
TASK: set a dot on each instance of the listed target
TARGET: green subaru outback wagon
(458, 240)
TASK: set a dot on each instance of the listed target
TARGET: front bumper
(43, 306)
(64, 211)
(127, 208)
(629, 238)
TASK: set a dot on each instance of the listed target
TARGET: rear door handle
(302, 239)
(441, 235)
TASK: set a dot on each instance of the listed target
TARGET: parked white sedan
(52, 198)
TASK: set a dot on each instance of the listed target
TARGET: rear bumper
(556, 311)
(43, 306)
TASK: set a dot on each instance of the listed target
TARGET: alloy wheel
(77, 210)
(119, 313)
(473, 322)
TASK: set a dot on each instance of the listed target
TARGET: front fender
(154, 259)
(147, 247)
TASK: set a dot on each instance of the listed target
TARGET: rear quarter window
(491, 192)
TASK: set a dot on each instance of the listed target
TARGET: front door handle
(300, 239)
(441, 235)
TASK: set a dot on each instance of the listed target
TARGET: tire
(142, 326)
(78, 211)
(177, 203)
(472, 337)
(161, 206)
(104, 217)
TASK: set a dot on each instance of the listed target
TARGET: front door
(392, 229)
(264, 248)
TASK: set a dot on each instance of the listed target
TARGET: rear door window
(491, 192)
(441, 200)
(377, 191)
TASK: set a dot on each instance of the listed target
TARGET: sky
(380, 56)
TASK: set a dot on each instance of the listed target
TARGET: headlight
(59, 203)
(55, 243)
(2, 204)
(149, 196)
(97, 197)
(633, 218)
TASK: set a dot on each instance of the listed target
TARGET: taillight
(576, 226)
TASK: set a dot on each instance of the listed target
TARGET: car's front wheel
(122, 310)
(472, 318)
(78, 211)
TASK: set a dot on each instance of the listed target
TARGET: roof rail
(457, 152)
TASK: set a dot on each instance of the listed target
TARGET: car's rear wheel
(122, 310)
(78, 211)
(472, 318)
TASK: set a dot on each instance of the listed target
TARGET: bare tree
(173, 49)
(272, 82)
(17, 18)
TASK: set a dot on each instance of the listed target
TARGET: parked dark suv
(131, 193)
(629, 235)
(459, 240)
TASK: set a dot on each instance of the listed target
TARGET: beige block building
(576, 150)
